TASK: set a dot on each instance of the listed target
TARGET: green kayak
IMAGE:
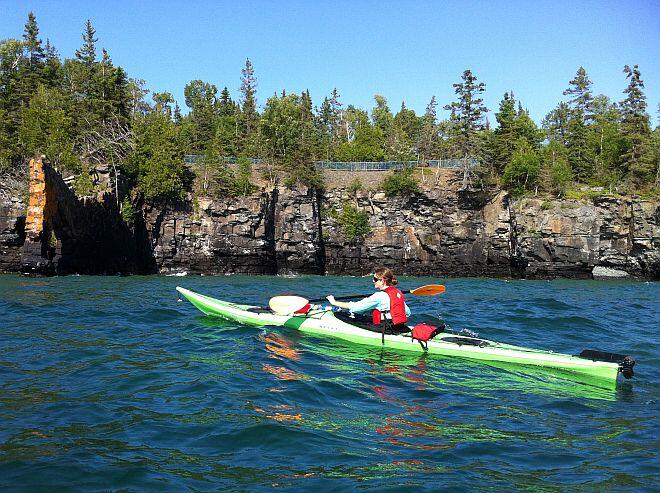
(324, 322)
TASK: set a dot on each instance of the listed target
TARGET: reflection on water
(110, 384)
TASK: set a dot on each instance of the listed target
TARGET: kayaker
(387, 304)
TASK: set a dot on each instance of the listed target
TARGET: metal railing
(359, 165)
(393, 165)
(197, 158)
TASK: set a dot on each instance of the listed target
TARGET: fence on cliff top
(362, 165)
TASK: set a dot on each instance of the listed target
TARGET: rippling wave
(111, 384)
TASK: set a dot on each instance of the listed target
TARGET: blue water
(111, 384)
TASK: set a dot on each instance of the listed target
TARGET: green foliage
(637, 155)
(46, 128)
(157, 161)
(243, 183)
(354, 187)
(522, 172)
(401, 182)
(201, 99)
(127, 211)
(512, 126)
(83, 183)
(467, 114)
(580, 155)
(556, 175)
(354, 222)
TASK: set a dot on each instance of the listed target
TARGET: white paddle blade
(285, 305)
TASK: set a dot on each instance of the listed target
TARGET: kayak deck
(324, 323)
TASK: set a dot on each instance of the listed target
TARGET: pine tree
(580, 92)
(33, 45)
(201, 99)
(52, 66)
(636, 130)
(605, 141)
(31, 65)
(555, 124)
(225, 104)
(87, 53)
(249, 115)
(429, 134)
(467, 121)
(580, 155)
(411, 125)
(467, 114)
(504, 138)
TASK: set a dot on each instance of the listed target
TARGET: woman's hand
(331, 300)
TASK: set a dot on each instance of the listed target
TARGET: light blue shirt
(377, 301)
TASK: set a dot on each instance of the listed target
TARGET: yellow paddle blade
(428, 290)
(286, 304)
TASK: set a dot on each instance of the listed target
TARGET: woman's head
(386, 276)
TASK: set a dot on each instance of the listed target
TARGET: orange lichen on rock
(34, 222)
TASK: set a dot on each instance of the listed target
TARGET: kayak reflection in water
(387, 305)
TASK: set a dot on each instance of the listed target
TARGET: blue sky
(405, 50)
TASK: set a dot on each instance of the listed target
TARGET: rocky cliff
(66, 235)
(441, 231)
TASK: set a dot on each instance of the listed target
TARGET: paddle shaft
(351, 296)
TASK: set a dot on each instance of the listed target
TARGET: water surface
(110, 384)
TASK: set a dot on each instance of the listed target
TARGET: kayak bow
(324, 323)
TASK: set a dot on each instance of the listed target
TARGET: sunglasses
(376, 279)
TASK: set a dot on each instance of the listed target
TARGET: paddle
(286, 304)
(428, 290)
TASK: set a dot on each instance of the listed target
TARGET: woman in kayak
(387, 305)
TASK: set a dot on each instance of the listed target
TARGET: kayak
(325, 322)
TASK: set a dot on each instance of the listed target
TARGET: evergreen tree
(11, 56)
(555, 174)
(201, 99)
(636, 130)
(52, 66)
(467, 121)
(580, 92)
(33, 45)
(329, 124)
(225, 104)
(555, 124)
(86, 54)
(156, 162)
(225, 141)
(46, 128)
(308, 137)
(409, 123)
(504, 136)
(605, 141)
(467, 114)
(398, 146)
(249, 116)
(526, 128)
(428, 139)
(31, 63)
(580, 154)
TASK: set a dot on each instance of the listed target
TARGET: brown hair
(386, 275)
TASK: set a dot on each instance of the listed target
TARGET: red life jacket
(397, 307)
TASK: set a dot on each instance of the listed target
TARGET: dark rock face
(441, 231)
(65, 235)
(276, 232)
(12, 233)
